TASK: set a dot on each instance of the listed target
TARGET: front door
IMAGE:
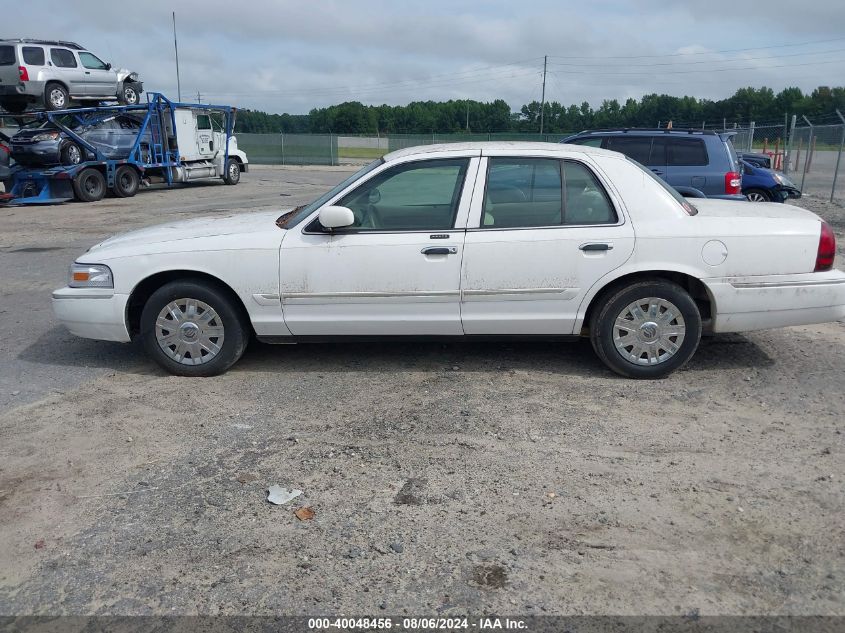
(204, 135)
(544, 232)
(100, 80)
(396, 271)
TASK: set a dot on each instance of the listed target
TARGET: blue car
(760, 184)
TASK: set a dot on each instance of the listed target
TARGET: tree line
(761, 105)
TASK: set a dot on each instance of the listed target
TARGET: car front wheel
(647, 329)
(129, 94)
(758, 195)
(192, 328)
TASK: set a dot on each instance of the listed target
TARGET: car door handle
(439, 250)
(596, 246)
(87, 72)
(657, 171)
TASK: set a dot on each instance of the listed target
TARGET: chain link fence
(290, 149)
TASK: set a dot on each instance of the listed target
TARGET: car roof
(483, 147)
(28, 40)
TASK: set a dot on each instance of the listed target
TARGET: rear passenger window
(637, 147)
(33, 55)
(539, 192)
(586, 201)
(522, 192)
(62, 58)
(7, 55)
(687, 152)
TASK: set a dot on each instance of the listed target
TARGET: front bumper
(743, 304)
(41, 153)
(96, 313)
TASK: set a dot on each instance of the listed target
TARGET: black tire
(235, 333)
(71, 154)
(758, 195)
(56, 97)
(129, 94)
(15, 106)
(126, 181)
(232, 176)
(615, 305)
(90, 185)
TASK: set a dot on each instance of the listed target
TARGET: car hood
(231, 224)
(743, 209)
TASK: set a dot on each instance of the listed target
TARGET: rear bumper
(96, 313)
(30, 90)
(757, 303)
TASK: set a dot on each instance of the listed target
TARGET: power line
(708, 61)
(704, 70)
(727, 50)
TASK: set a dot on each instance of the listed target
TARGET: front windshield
(688, 208)
(292, 218)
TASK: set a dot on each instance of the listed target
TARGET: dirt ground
(512, 478)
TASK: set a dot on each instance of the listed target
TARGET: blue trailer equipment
(173, 142)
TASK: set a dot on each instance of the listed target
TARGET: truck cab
(201, 138)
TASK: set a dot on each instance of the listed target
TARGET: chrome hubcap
(189, 331)
(234, 171)
(57, 98)
(130, 96)
(649, 331)
(73, 154)
(756, 197)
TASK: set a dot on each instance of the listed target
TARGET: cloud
(291, 56)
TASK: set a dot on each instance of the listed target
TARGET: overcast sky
(290, 56)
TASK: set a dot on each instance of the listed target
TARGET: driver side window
(419, 196)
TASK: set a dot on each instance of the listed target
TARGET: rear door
(646, 150)
(543, 231)
(688, 165)
(68, 70)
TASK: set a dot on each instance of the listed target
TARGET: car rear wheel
(192, 328)
(71, 154)
(758, 195)
(647, 329)
(233, 172)
(90, 185)
(126, 181)
(56, 97)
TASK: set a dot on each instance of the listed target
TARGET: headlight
(90, 276)
(133, 76)
(46, 136)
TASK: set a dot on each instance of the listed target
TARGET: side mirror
(336, 217)
(108, 66)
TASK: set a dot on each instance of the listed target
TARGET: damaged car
(56, 74)
(42, 143)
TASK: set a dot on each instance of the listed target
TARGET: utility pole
(176, 48)
(543, 98)
(467, 115)
(199, 97)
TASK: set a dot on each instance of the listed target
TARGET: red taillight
(23, 73)
(827, 248)
(733, 182)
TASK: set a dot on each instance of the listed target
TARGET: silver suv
(54, 73)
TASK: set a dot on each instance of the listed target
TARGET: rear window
(689, 209)
(7, 55)
(62, 58)
(33, 55)
(687, 152)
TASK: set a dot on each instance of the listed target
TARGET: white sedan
(462, 241)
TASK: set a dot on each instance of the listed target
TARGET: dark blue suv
(698, 163)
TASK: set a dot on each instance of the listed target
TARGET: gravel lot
(446, 479)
